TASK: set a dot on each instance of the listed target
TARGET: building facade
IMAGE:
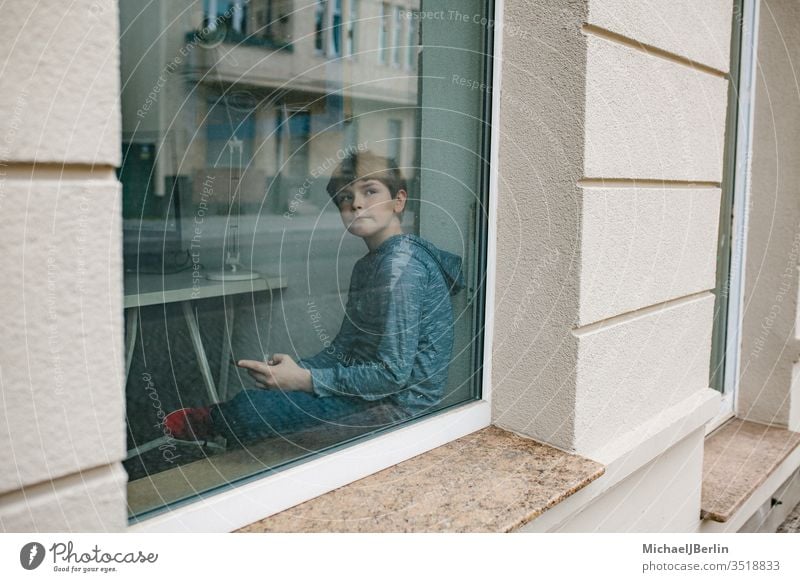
(640, 274)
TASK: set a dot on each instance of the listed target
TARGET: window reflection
(236, 114)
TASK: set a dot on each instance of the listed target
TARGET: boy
(391, 355)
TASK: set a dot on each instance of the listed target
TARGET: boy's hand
(280, 372)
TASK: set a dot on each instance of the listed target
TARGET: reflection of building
(296, 82)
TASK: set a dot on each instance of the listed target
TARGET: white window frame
(741, 195)
(245, 504)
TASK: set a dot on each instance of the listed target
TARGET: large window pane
(297, 218)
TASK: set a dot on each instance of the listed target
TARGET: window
(411, 49)
(352, 20)
(304, 247)
(383, 34)
(231, 13)
(328, 27)
(264, 23)
(320, 25)
(270, 20)
(394, 136)
(336, 28)
(726, 342)
(396, 32)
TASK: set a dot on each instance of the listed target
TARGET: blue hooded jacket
(396, 339)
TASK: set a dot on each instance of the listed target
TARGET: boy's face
(368, 209)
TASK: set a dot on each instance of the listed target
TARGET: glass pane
(303, 231)
(725, 257)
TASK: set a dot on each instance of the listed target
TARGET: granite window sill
(737, 458)
(489, 481)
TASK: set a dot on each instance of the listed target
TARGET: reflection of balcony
(295, 67)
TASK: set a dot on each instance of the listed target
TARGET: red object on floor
(190, 424)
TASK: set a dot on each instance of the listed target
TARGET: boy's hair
(364, 165)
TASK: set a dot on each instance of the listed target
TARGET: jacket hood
(449, 264)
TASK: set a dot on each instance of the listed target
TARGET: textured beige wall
(633, 367)
(92, 500)
(541, 157)
(648, 117)
(60, 75)
(684, 28)
(770, 344)
(642, 246)
(60, 237)
(608, 212)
